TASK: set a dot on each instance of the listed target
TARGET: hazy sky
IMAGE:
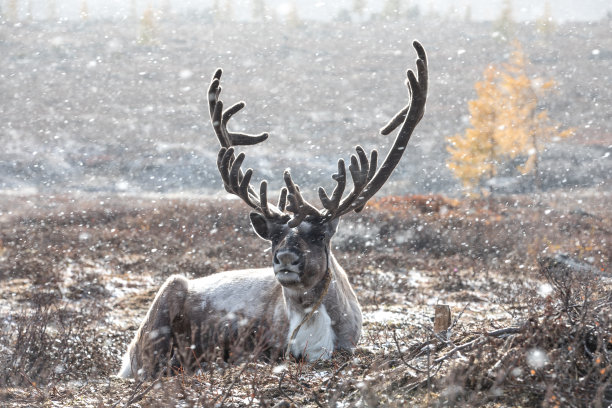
(562, 10)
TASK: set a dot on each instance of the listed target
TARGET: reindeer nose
(286, 258)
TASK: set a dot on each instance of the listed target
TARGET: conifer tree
(52, 10)
(507, 123)
(84, 10)
(147, 26)
(505, 22)
(12, 12)
(228, 10)
(216, 11)
(30, 11)
(292, 18)
(259, 10)
(474, 155)
(524, 126)
(467, 17)
(359, 7)
(545, 24)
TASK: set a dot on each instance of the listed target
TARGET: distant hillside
(86, 106)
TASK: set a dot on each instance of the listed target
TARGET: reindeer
(304, 304)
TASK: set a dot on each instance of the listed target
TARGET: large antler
(234, 180)
(366, 179)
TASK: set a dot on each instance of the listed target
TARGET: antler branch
(297, 204)
(234, 180)
(220, 118)
(367, 180)
(366, 176)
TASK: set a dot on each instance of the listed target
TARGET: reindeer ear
(260, 225)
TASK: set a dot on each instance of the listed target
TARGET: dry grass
(531, 327)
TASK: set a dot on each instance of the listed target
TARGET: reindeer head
(300, 233)
(300, 253)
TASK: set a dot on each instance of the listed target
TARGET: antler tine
(408, 117)
(282, 199)
(263, 199)
(235, 173)
(222, 165)
(371, 173)
(220, 118)
(238, 184)
(214, 90)
(233, 180)
(297, 204)
(231, 174)
(331, 204)
(421, 62)
(359, 172)
(362, 172)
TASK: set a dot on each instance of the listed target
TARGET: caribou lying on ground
(304, 305)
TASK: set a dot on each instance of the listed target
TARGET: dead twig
(428, 369)
(228, 391)
(479, 341)
(456, 319)
(136, 398)
(418, 349)
(401, 355)
(280, 387)
(316, 399)
(136, 388)
(33, 384)
(505, 331)
(424, 381)
(470, 344)
(335, 374)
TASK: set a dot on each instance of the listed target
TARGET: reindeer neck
(303, 307)
(303, 301)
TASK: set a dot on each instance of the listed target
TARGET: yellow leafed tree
(84, 10)
(12, 12)
(147, 26)
(507, 123)
(524, 127)
(474, 155)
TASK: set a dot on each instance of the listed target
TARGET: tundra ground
(527, 280)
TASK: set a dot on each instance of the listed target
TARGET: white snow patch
(415, 277)
(545, 289)
(185, 74)
(537, 358)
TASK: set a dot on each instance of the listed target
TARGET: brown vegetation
(531, 326)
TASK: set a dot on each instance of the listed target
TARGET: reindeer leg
(152, 345)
